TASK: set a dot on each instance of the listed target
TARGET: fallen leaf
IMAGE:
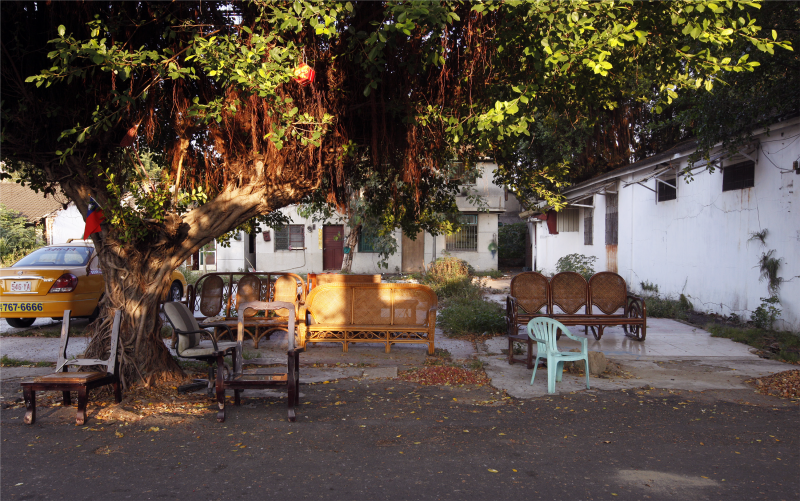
(491, 470)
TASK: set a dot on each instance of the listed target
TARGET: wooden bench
(369, 313)
(601, 302)
(217, 296)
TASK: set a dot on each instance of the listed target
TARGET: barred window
(567, 220)
(367, 239)
(466, 238)
(666, 191)
(290, 237)
(588, 226)
(612, 218)
(739, 176)
(462, 173)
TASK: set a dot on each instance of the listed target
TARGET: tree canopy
(401, 89)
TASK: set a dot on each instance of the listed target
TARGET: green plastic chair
(543, 331)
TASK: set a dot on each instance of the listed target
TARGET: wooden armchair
(239, 380)
(81, 382)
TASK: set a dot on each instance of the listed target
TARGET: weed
(166, 332)
(769, 267)
(649, 287)
(475, 364)
(464, 316)
(452, 278)
(577, 263)
(668, 307)
(761, 236)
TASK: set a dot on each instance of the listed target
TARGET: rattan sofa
(601, 302)
(388, 313)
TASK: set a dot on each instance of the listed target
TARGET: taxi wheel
(20, 322)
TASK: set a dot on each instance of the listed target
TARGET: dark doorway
(332, 247)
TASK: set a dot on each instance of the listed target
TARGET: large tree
(401, 88)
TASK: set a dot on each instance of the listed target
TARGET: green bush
(667, 307)
(490, 274)
(464, 316)
(577, 263)
(17, 239)
(765, 315)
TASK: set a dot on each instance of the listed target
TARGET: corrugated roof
(22, 199)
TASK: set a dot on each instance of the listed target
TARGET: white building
(647, 223)
(309, 247)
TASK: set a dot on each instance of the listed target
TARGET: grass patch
(5, 361)
(490, 274)
(778, 345)
(466, 317)
(51, 331)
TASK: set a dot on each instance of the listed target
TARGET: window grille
(739, 176)
(612, 218)
(462, 173)
(588, 226)
(466, 238)
(666, 192)
(290, 237)
(567, 220)
(367, 239)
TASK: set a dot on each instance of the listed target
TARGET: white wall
(68, 223)
(699, 243)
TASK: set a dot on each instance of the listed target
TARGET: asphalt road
(392, 440)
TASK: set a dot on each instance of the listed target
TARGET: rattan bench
(369, 313)
(601, 302)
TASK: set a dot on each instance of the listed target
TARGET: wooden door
(332, 246)
(413, 253)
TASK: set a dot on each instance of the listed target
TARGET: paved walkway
(674, 356)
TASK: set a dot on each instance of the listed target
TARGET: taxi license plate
(20, 286)
(20, 307)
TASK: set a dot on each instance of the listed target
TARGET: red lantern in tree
(304, 74)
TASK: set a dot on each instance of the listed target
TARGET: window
(290, 237)
(666, 189)
(466, 238)
(588, 226)
(567, 220)
(739, 176)
(612, 218)
(367, 239)
(462, 173)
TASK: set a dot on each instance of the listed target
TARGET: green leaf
(61, 30)
(774, 35)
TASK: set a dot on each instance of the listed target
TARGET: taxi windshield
(56, 256)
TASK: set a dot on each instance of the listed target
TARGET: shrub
(452, 278)
(469, 316)
(17, 239)
(765, 315)
(577, 263)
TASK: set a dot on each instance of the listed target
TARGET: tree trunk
(136, 284)
(351, 242)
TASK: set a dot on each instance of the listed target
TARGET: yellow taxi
(55, 278)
